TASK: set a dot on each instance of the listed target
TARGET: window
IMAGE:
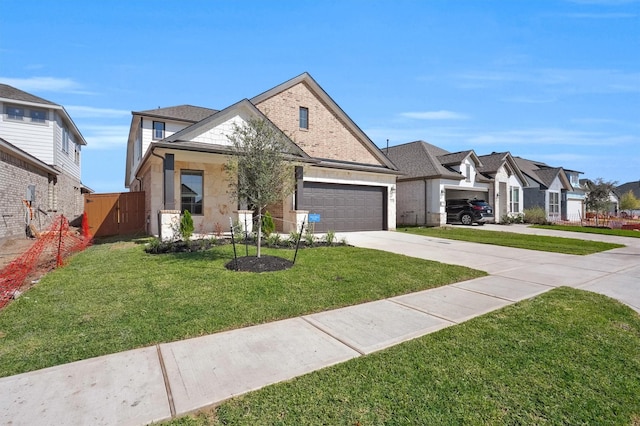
(65, 140)
(77, 153)
(514, 202)
(158, 130)
(191, 191)
(137, 148)
(14, 113)
(468, 175)
(554, 203)
(38, 116)
(304, 118)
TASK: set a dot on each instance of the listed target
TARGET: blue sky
(550, 80)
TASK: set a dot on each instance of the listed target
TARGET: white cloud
(434, 115)
(101, 137)
(557, 80)
(45, 84)
(92, 112)
(551, 136)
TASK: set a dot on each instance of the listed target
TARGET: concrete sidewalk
(156, 383)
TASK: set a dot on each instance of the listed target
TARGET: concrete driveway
(615, 273)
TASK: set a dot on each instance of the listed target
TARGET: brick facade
(327, 137)
(54, 195)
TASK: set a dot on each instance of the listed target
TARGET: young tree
(259, 171)
(598, 197)
(629, 202)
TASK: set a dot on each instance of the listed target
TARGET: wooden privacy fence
(120, 213)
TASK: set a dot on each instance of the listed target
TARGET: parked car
(469, 211)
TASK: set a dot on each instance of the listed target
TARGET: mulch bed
(259, 264)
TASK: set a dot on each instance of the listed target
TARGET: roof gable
(542, 174)
(331, 135)
(491, 164)
(419, 159)
(213, 130)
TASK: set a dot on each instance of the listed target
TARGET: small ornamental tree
(628, 201)
(186, 226)
(598, 197)
(259, 172)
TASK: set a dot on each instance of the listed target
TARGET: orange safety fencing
(49, 251)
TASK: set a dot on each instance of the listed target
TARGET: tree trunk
(259, 242)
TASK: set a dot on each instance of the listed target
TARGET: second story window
(304, 118)
(14, 113)
(158, 130)
(38, 116)
(77, 154)
(65, 140)
(468, 171)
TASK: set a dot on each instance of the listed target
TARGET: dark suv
(469, 211)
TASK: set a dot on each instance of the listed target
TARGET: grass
(566, 357)
(591, 230)
(510, 239)
(114, 297)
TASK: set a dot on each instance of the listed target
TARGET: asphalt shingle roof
(10, 92)
(181, 112)
(629, 186)
(492, 162)
(419, 159)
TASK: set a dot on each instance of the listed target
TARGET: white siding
(65, 160)
(33, 138)
(218, 135)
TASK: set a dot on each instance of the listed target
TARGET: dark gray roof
(492, 162)
(419, 159)
(180, 112)
(454, 158)
(10, 92)
(547, 175)
(629, 186)
(541, 173)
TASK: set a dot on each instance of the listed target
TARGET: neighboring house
(508, 183)
(634, 187)
(40, 162)
(575, 198)
(432, 175)
(177, 156)
(548, 188)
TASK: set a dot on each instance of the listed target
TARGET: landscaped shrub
(274, 240)
(535, 215)
(330, 237)
(508, 219)
(267, 224)
(186, 226)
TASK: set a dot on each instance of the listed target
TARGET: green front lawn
(592, 230)
(511, 239)
(113, 297)
(567, 357)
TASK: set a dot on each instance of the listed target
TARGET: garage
(345, 207)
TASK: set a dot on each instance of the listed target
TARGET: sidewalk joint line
(422, 311)
(318, 327)
(167, 385)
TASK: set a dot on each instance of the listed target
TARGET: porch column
(169, 190)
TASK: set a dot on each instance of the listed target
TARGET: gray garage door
(345, 207)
